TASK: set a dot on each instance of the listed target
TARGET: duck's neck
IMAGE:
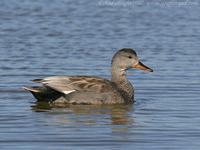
(120, 79)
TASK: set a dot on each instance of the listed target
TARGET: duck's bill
(141, 66)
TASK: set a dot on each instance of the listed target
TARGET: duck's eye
(129, 57)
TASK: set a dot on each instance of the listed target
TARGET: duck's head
(126, 58)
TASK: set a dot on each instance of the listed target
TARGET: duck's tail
(43, 93)
(31, 89)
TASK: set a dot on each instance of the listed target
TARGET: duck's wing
(69, 84)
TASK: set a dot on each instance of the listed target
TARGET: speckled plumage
(61, 90)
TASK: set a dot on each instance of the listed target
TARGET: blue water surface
(64, 37)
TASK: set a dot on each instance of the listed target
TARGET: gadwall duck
(90, 89)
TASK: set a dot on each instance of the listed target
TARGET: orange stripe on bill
(141, 66)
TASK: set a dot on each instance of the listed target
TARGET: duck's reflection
(92, 114)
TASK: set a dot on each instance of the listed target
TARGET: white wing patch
(67, 92)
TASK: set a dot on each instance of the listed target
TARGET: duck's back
(79, 90)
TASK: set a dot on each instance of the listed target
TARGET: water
(44, 38)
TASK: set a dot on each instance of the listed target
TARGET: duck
(61, 90)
